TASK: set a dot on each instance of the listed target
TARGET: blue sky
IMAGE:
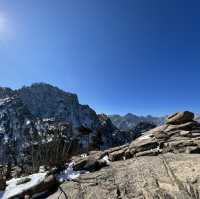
(119, 56)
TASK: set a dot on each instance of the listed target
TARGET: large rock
(180, 117)
(91, 162)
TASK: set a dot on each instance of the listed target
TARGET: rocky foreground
(162, 163)
(151, 177)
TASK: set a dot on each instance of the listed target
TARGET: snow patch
(84, 155)
(106, 158)
(14, 189)
(6, 138)
(28, 122)
(68, 174)
(145, 137)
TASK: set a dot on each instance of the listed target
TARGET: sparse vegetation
(51, 148)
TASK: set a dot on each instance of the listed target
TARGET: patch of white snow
(84, 155)
(69, 173)
(28, 122)
(13, 189)
(106, 158)
(6, 138)
(145, 137)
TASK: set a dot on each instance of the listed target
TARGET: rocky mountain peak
(46, 101)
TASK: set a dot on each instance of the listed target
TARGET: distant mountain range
(130, 121)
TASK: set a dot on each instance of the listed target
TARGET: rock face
(46, 101)
(130, 121)
(15, 127)
(106, 131)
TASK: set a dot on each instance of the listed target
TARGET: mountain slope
(16, 123)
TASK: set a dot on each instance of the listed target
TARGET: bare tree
(51, 146)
